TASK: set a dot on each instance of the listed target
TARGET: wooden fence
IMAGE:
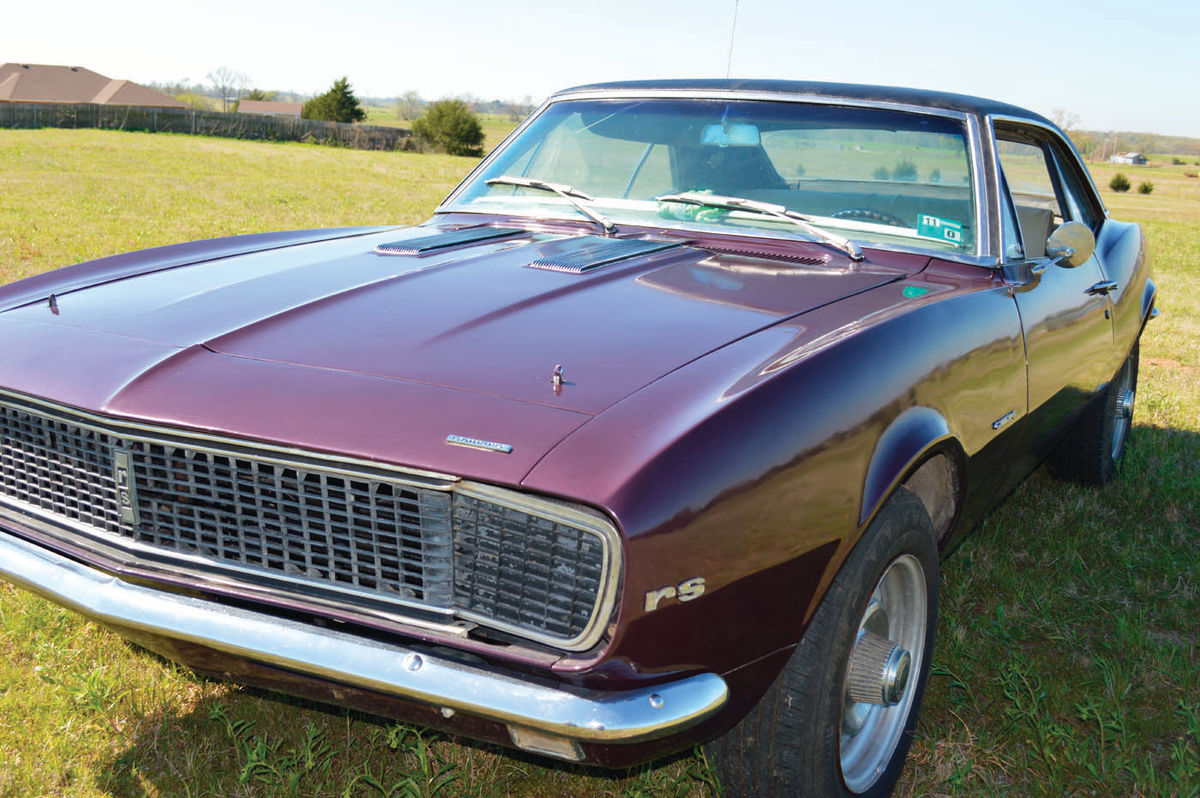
(203, 123)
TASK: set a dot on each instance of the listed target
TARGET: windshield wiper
(568, 193)
(766, 209)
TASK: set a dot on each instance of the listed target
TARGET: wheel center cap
(879, 671)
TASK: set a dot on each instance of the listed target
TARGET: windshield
(876, 176)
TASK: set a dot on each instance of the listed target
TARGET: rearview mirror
(1071, 244)
(730, 134)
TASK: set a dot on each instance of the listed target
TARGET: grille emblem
(123, 478)
(477, 443)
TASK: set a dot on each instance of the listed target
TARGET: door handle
(1103, 287)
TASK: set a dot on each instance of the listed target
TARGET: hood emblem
(477, 443)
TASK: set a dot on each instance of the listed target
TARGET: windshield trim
(985, 239)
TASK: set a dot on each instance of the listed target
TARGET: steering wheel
(869, 215)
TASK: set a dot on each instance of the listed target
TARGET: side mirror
(1071, 244)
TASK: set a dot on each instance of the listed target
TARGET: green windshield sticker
(912, 291)
(939, 229)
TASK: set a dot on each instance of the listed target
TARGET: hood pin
(557, 380)
(53, 301)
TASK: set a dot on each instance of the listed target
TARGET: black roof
(853, 91)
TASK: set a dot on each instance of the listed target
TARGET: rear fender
(1149, 294)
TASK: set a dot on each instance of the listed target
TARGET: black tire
(795, 741)
(1091, 452)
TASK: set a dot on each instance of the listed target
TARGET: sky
(1113, 65)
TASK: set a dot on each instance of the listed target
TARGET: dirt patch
(1169, 365)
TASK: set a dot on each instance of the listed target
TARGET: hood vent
(454, 238)
(771, 253)
(579, 255)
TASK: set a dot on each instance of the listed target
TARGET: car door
(1065, 311)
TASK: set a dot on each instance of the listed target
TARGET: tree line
(448, 125)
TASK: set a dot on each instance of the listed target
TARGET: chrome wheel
(1122, 411)
(878, 696)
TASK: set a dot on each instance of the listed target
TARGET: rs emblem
(685, 591)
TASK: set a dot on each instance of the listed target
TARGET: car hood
(469, 332)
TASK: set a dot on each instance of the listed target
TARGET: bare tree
(228, 83)
(1066, 120)
(409, 105)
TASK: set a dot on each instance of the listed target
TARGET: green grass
(1067, 660)
(495, 126)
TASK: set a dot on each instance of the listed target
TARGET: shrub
(881, 173)
(905, 170)
(1119, 182)
(1178, 161)
(1146, 187)
(336, 105)
(449, 126)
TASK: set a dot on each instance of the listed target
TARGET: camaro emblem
(123, 477)
(476, 443)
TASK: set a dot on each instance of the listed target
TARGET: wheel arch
(919, 451)
(1148, 308)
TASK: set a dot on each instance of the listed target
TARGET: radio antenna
(732, 30)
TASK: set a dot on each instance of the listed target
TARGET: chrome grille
(364, 533)
(224, 506)
(524, 570)
(59, 467)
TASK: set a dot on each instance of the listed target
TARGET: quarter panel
(1122, 253)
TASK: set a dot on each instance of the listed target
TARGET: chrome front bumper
(588, 716)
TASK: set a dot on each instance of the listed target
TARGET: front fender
(911, 437)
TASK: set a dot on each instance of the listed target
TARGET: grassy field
(495, 126)
(1067, 659)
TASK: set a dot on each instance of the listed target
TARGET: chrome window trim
(575, 516)
(1063, 139)
(983, 238)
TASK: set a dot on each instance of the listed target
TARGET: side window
(1081, 203)
(1047, 188)
(1031, 184)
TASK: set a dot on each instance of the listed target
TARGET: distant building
(270, 108)
(43, 83)
(1133, 158)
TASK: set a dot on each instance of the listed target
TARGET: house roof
(46, 83)
(269, 107)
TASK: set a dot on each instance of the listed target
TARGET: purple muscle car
(653, 435)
